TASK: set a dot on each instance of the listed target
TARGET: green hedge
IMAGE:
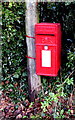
(14, 49)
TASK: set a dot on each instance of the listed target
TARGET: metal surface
(48, 48)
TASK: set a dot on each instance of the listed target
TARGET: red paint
(30, 57)
(48, 34)
(29, 36)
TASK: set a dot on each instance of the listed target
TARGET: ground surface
(8, 110)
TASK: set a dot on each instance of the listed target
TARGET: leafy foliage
(45, 108)
(14, 49)
(61, 86)
(61, 12)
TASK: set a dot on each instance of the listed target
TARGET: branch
(14, 73)
(68, 77)
(71, 74)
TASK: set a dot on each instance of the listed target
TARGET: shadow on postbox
(48, 48)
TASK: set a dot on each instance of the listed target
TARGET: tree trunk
(34, 81)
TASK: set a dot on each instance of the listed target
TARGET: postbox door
(46, 60)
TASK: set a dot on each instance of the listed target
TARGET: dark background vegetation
(14, 62)
(62, 12)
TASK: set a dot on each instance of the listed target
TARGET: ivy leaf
(62, 111)
(43, 114)
(10, 4)
(16, 75)
(24, 74)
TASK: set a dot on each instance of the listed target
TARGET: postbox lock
(46, 47)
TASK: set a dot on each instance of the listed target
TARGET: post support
(34, 81)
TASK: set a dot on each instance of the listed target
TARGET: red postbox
(48, 48)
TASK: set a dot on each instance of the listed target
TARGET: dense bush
(14, 50)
